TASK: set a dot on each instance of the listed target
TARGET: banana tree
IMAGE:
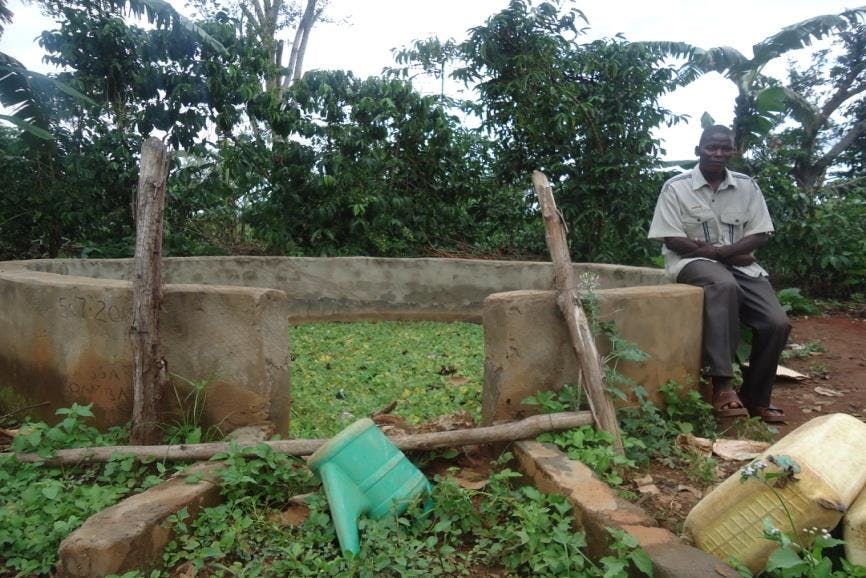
(25, 91)
(759, 98)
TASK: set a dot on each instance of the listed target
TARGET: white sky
(365, 31)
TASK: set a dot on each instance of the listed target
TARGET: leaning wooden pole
(526, 428)
(150, 374)
(582, 340)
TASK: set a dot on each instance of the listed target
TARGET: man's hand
(739, 260)
(706, 251)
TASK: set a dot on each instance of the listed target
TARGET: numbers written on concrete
(88, 308)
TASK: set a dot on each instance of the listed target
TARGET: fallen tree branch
(582, 341)
(506, 432)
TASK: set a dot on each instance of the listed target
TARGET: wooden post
(150, 373)
(578, 327)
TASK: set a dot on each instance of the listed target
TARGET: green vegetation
(344, 371)
(40, 505)
(507, 526)
(267, 159)
(804, 351)
(649, 433)
(795, 303)
(259, 531)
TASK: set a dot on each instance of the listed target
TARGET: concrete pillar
(527, 347)
(64, 340)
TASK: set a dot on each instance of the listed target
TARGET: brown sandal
(726, 403)
(769, 414)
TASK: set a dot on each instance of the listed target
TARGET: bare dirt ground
(831, 351)
(839, 369)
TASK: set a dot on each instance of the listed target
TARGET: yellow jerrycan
(728, 522)
(854, 531)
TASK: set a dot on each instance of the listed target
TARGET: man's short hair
(716, 129)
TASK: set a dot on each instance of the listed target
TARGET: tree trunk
(150, 374)
(519, 430)
(578, 327)
(299, 46)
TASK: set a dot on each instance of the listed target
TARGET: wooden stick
(523, 429)
(150, 374)
(582, 340)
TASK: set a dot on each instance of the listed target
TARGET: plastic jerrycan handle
(346, 503)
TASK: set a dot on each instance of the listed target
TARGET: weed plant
(808, 349)
(344, 371)
(505, 525)
(648, 433)
(41, 505)
(795, 303)
(186, 427)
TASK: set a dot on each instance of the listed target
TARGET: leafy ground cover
(499, 527)
(344, 371)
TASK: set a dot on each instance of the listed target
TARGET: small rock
(644, 480)
(649, 489)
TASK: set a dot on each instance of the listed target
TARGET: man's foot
(769, 414)
(727, 404)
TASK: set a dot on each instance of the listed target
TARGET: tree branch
(844, 143)
(524, 429)
(299, 46)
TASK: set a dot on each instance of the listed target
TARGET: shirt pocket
(701, 225)
(733, 223)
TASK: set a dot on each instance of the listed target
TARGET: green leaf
(28, 127)
(783, 559)
(642, 561)
(772, 99)
(51, 491)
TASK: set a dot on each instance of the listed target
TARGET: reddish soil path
(840, 367)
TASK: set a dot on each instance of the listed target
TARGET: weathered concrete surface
(131, 534)
(528, 348)
(64, 339)
(354, 288)
(597, 507)
(72, 316)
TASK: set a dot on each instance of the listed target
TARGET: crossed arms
(739, 254)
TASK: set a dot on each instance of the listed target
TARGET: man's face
(714, 152)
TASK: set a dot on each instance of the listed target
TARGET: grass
(342, 372)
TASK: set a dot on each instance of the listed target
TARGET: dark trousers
(730, 297)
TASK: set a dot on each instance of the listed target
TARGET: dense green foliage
(41, 505)
(344, 371)
(507, 526)
(331, 164)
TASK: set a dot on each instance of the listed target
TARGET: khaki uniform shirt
(688, 207)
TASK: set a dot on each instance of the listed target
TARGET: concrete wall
(64, 339)
(353, 288)
(64, 324)
(528, 348)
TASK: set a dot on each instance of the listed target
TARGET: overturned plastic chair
(364, 473)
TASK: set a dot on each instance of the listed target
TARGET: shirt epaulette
(679, 178)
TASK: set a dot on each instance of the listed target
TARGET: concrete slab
(528, 348)
(131, 534)
(598, 507)
(64, 340)
(356, 288)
